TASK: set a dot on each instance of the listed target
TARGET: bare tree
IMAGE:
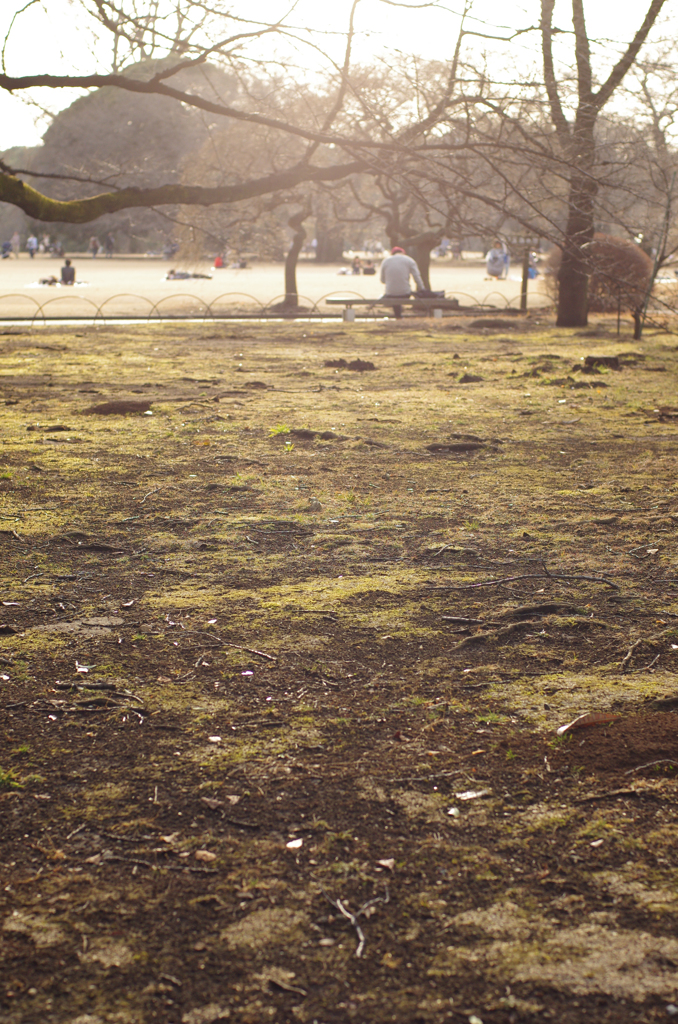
(577, 144)
(185, 46)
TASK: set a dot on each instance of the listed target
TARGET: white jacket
(395, 273)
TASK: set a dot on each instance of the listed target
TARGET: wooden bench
(437, 305)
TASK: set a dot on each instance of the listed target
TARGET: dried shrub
(620, 272)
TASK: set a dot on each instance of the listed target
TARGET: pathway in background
(116, 282)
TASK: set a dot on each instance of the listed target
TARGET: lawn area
(284, 649)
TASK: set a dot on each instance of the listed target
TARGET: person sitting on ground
(219, 262)
(356, 265)
(67, 273)
(496, 260)
(395, 274)
(51, 280)
(369, 268)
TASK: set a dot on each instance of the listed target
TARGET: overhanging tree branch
(82, 211)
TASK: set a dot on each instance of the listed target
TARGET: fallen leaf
(211, 802)
(205, 855)
(170, 838)
(214, 739)
(388, 863)
(294, 844)
(279, 978)
(479, 751)
(233, 799)
(583, 721)
(597, 842)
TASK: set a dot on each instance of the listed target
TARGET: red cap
(395, 249)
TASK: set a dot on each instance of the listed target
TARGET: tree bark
(573, 276)
(419, 247)
(82, 211)
(577, 144)
(296, 222)
(421, 254)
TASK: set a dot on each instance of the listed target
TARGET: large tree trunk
(421, 254)
(573, 276)
(419, 247)
(296, 222)
(329, 240)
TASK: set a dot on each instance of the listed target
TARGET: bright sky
(55, 36)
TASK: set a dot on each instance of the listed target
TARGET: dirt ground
(283, 653)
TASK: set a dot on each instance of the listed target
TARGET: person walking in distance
(395, 274)
(16, 244)
(32, 245)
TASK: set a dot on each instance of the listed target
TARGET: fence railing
(187, 306)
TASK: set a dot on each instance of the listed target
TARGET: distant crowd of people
(239, 263)
(12, 247)
(359, 267)
(95, 246)
(46, 244)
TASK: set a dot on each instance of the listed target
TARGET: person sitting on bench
(67, 273)
(395, 274)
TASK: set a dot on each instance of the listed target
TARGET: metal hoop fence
(234, 305)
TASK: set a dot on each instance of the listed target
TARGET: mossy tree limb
(81, 211)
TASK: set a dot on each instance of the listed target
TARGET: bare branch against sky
(66, 37)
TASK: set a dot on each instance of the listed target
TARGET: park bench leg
(349, 314)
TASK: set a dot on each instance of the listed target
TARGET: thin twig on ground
(227, 643)
(644, 640)
(530, 576)
(148, 495)
(646, 668)
(651, 764)
(607, 795)
(353, 918)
